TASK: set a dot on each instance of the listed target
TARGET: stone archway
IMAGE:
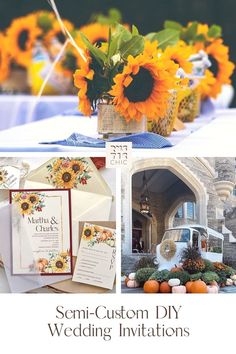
(178, 169)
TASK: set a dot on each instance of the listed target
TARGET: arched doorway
(170, 183)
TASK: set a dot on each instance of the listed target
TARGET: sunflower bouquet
(209, 40)
(126, 80)
(28, 48)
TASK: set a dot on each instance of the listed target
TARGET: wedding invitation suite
(96, 258)
(41, 232)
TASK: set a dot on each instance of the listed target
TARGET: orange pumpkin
(188, 286)
(199, 287)
(151, 286)
(165, 287)
(126, 280)
(176, 269)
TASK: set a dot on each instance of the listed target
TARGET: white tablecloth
(22, 109)
(212, 136)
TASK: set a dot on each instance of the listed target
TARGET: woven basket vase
(189, 105)
(111, 122)
(164, 126)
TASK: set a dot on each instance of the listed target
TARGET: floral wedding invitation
(9, 177)
(96, 258)
(41, 232)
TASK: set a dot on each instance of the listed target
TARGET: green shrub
(222, 276)
(183, 276)
(209, 266)
(144, 274)
(209, 277)
(160, 275)
(145, 262)
(229, 271)
(196, 276)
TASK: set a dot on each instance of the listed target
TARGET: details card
(9, 177)
(96, 258)
(41, 232)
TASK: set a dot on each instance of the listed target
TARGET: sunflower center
(22, 39)
(141, 87)
(59, 264)
(214, 65)
(24, 206)
(76, 168)
(66, 177)
(32, 199)
(176, 61)
(61, 37)
(87, 232)
(1, 179)
(98, 42)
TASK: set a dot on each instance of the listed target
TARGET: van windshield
(177, 235)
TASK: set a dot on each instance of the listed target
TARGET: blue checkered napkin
(139, 141)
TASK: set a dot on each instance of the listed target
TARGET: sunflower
(88, 233)
(33, 198)
(96, 33)
(25, 207)
(57, 165)
(57, 33)
(206, 83)
(65, 178)
(142, 89)
(222, 68)
(77, 166)
(180, 54)
(21, 36)
(59, 265)
(4, 58)
(82, 78)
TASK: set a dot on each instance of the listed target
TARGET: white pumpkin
(181, 289)
(233, 277)
(234, 282)
(132, 284)
(131, 276)
(174, 282)
(212, 289)
(229, 282)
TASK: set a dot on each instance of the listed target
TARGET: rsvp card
(96, 258)
(41, 232)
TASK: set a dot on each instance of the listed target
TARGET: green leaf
(200, 38)
(115, 15)
(215, 31)
(135, 31)
(133, 47)
(173, 25)
(113, 47)
(97, 53)
(189, 35)
(151, 36)
(123, 33)
(166, 37)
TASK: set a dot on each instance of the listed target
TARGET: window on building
(187, 211)
(214, 244)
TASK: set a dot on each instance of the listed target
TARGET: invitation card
(96, 258)
(9, 177)
(41, 232)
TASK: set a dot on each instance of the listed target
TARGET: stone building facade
(204, 186)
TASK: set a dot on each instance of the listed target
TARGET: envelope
(90, 195)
